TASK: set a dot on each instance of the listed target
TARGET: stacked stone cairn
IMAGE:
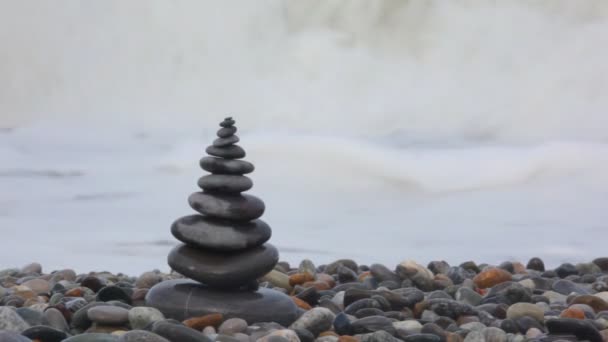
(224, 246)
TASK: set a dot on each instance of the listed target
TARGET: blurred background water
(380, 130)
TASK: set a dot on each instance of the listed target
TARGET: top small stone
(228, 122)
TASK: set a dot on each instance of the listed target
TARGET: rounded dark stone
(372, 324)
(178, 332)
(225, 132)
(602, 263)
(382, 273)
(226, 166)
(565, 270)
(536, 264)
(109, 293)
(218, 269)
(582, 329)
(221, 235)
(225, 183)
(232, 207)
(418, 337)
(93, 283)
(221, 142)
(11, 336)
(228, 122)
(44, 333)
(181, 299)
(228, 152)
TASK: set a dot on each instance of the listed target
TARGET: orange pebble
(364, 275)
(300, 278)
(319, 285)
(199, 323)
(346, 338)
(75, 292)
(301, 304)
(572, 313)
(490, 277)
(328, 333)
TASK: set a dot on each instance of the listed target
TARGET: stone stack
(224, 246)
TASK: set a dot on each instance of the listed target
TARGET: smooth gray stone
(11, 336)
(11, 321)
(232, 184)
(220, 235)
(225, 132)
(221, 142)
(108, 315)
(228, 152)
(92, 337)
(182, 298)
(55, 319)
(32, 317)
(232, 207)
(228, 122)
(226, 166)
(218, 269)
(141, 336)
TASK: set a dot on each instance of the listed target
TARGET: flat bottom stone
(183, 298)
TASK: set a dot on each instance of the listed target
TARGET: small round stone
(490, 277)
(11, 321)
(44, 333)
(519, 310)
(316, 320)
(33, 268)
(222, 142)
(241, 207)
(221, 235)
(109, 293)
(536, 264)
(228, 122)
(228, 152)
(223, 270)
(226, 166)
(232, 326)
(141, 316)
(108, 315)
(141, 336)
(225, 132)
(232, 184)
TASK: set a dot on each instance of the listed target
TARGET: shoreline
(338, 301)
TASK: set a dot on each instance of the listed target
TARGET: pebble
(108, 315)
(92, 337)
(109, 293)
(11, 321)
(286, 335)
(372, 324)
(315, 320)
(141, 336)
(519, 310)
(491, 277)
(201, 322)
(140, 317)
(45, 333)
(38, 285)
(468, 296)
(178, 333)
(582, 329)
(228, 152)
(233, 326)
(423, 338)
(11, 336)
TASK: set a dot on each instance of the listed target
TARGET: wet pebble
(108, 315)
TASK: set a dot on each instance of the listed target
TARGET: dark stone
(44, 333)
(228, 122)
(565, 270)
(361, 304)
(366, 312)
(232, 207)
(432, 328)
(451, 308)
(228, 152)
(422, 338)
(470, 266)
(438, 267)
(218, 269)
(225, 132)
(310, 295)
(527, 322)
(304, 335)
(329, 304)
(507, 266)
(602, 263)
(566, 287)
(372, 324)
(92, 337)
(346, 275)
(333, 267)
(181, 299)
(582, 329)
(232, 184)
(379, 336)
(221, 142)
(382, 273)
(92, 283)
(508, 293)
(178, 332)
(342, 325)
(536, 264)
(221, 235)
(109, 293)
(226, 166)
(509, 326)
(141, 336)
(458, 274)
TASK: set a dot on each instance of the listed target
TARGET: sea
(381, 131)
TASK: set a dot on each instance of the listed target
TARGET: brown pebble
(326, 278)
(300, 278)
(199, 323)
(466, 319)
(24, 292)
(597, 303)
(364, 275)
(328, 333)
(300, 303)
(319, 285)
(347, 338)
(453, 337)
(491, 277)
(519, 268)
(573, 313)
(75, 292)
(38, 285)
(419, 308)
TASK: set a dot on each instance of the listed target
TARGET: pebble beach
(339, 301)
